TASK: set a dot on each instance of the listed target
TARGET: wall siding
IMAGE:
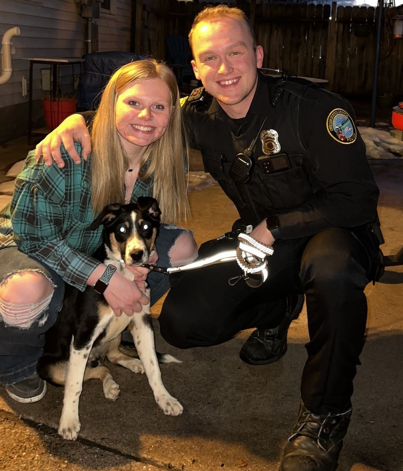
(114, 30)
(49, 28)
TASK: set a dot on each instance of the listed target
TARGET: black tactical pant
(331, 268)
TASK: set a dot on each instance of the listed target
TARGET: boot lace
(319, 429)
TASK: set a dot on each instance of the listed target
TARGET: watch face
(272, 222)
(100, 287)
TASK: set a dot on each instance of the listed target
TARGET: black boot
(316, 441)
(266, 346)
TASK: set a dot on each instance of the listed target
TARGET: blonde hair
(210, 14)
(164, 160)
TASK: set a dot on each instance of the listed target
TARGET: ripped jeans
(21, 347)
(167, 236)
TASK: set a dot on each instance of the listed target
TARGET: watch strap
(101, 285)
(273, 225)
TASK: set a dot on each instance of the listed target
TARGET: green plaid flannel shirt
(50, 214)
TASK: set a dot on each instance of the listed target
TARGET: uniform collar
(215, 108)
(261, 102)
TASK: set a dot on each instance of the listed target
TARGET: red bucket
(397, 116)
(58, 110)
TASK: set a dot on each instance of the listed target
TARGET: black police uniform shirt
(329, 182)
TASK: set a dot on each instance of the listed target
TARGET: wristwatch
(273, 225)
(101, 285)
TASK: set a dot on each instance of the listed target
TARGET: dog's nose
(137, 256)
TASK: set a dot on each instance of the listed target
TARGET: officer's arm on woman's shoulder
(73, 128)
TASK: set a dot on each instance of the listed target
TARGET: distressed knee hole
(24, 297)
(183, 251)
(23, 315)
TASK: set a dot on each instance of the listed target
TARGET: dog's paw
(111, 389)
(169, 404)
(69, 429)
(135, 365)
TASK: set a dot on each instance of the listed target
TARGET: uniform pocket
(288, 189)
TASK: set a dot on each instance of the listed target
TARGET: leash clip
(155, 268)
(234, 280)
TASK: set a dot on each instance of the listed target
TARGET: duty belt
(250, 255)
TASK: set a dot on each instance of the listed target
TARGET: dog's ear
(146, 203)
(106, 216)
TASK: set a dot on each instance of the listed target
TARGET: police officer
(289, 156)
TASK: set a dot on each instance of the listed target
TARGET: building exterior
(53, 29)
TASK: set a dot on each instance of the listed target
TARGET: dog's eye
(122, 229)
(145, 226)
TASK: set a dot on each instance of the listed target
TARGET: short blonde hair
(164, 159)
(211, 14)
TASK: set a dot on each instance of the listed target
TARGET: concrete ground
(237, 417)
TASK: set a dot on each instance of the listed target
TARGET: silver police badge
(270, 143)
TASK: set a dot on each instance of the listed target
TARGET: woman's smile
(143, 111)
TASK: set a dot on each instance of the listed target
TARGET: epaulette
(199, 100)
(295, 86)
(197, 94)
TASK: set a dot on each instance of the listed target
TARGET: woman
(45, 238)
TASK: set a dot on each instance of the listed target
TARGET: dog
(87, 331)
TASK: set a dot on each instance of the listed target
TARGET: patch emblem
(270, 142)
(341, 127)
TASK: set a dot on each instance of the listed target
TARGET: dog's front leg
(69, 422)
(143, 336)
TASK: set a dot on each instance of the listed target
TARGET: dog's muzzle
(250, 255)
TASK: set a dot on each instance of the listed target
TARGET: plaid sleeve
(50, 213)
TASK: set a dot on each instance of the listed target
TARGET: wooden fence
(337, 44)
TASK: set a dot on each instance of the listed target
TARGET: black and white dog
(87, 331)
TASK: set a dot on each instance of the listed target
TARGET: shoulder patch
(341, 127)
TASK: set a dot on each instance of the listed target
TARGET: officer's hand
(262, 234)
(71, 129)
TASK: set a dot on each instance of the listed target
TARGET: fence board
(309, 40)
(317, 27)
(323, 41)
(370, 51)
(302, 49)
(331, 47)
(278, 44)
(387, 52)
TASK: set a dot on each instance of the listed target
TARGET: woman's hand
(71, 129)
(141, 273)
(124, 295)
